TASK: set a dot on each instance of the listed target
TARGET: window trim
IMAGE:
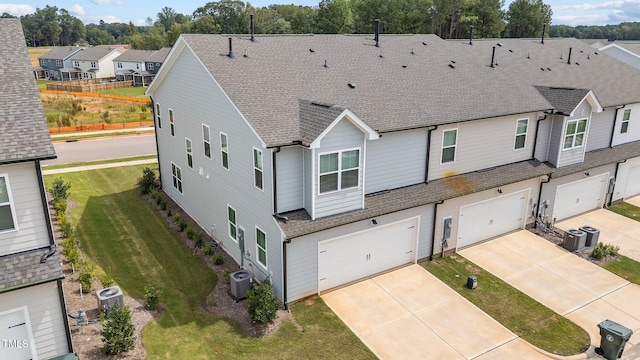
(256, 169)
(189, 149)
(339, 171)
(234, 224)
(574, 135)
(224, 150)
(150, 66)
(454, 146)
(172, 125)
(176, 176)
(58, 62)
(624, 125)
(11, 204)
(206, 142)
(526, 132)
(43, 61)
(158, 116)
(260, 248)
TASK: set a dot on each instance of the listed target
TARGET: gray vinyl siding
(451, 208)
(633, 130)
(544, 138)
(576, 155)
(45, 313)
(343, 136)
(396, 159)
(302, 252)
(481, 144)
(600, 129)
(31, 222)
(208, 188)
(622, 178)
(289, 171)
(556, 139)
(549, 189)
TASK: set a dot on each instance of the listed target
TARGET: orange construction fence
(106, 96)
(96, 127)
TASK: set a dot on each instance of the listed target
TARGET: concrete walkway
(98, 166)
(410, 314)
(633, 201)
(571, 286)
(102, 132)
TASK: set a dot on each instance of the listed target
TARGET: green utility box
(613, 338)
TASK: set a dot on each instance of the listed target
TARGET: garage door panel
(490, 218)
(16, 335)
(632, 187)
(579, 196)
(349, 258)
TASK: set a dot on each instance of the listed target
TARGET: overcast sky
(567, 12)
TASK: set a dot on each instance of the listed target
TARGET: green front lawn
(120, 231)
(625, 268)
(519, 313)
(134, 91)
(42, 84)
(626, 209)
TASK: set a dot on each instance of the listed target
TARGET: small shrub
(85, 278)
(226, 276)
(67, 229)
(176, 218)
(190, 231)
(153, 193)
(106, 279)
(60, 189)
(163, 204)
(181, 225)
(60, 205)
(73, 255)
(263, 304)
(198, 239)
(106, 118)
(217, 258)
(147, 182)
(118, 332)
(152, 297)
(603, 250)
(169, 212)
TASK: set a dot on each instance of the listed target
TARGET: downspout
(155, 133)
(63, 308)
(615, 177)
(433, 228)
(535, 139)
(45, 206)
(284, 273)
(426, 168)
(283, 218)
(540, 194)
(613, 129)
(273, 175)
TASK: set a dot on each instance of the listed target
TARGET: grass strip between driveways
(626, 268)
(99, 162)
(527, 318)
(626, 209)
(120, 231)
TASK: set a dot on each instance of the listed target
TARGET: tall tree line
(445, 18)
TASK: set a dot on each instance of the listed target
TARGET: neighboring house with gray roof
(317, 160)
(95, 63)
(33, 315)
(625, 51)
(139, 66)
(54, 60)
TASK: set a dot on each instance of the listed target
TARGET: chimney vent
(253, 28)
(569, 57)
(376, 31)
(544, 28)
(231, 48)
(325, 64)
(493, 56)
(471, 35)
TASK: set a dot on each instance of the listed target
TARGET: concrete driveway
(633, 201)
(581, 291)
(410, 314)
(615, 229)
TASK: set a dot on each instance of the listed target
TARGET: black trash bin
(613, 338)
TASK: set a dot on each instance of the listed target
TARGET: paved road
(102, 149)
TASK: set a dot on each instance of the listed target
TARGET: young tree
(118, 332)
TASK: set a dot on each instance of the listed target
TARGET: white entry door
(489, 218)
(580, 196)
(355, 256)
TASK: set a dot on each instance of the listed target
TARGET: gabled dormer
(568, 125)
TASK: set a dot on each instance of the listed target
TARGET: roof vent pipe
(376, 31)
(544, 28)
(253, 28)
(471, 35)
(231, 48)
(493, 55)
(569, 57)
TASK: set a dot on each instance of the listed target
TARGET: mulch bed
(557, 237)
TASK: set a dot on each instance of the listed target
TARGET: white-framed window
(257, 168)
(206, 140)
(224, 150)
(43, 61)
(574, 134)
(158, 117)
(625, 121)
(85, 75)
(8, 221)
(76, 63)
(233, 225)
(150, 66)
(137, 66)
(189, 149)
(120, 65)
(94, 65)
(339, 170)
(449, 143)
(261, 246)
(176, 173)
(522, 126)
(58, 62)
(172, 125)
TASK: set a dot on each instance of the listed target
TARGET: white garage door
(579, 196)
(489, 218)
(633, 182)
(355, 256)
(15, 332)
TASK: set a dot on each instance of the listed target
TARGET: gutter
(284, 273)
(155, 133)
(613, 129)
(16, 161)
(615, 177)
(45, 206)
(426, 168)
(535, 139)
(433, 229)
(540, 193)
(63, 308)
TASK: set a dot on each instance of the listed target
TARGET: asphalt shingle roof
(60, 52)
(24, 134)
(564, 100)
(314, 119)
(25, 268)
(407, 82)
(135, 55)
(92, 54)
(159, 55)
